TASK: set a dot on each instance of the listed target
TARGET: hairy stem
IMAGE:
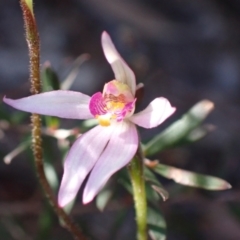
(138, 185)
(32, 38)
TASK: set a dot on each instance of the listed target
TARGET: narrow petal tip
(87, 197)
(64, 200)
(228, 186)
(68, 189)
(105, 34)
(7, 100)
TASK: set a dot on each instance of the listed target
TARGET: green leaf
(18, 117)
(16, 151)
(49, 78)
(90, 123)
(67, 83)
(154, 188)
(179, 131)
(68, 208)
(103, 198)
(156, 224)
(161, 191)
(4, 115)
(45, 223)
(50, 82)
(152, 195)
(198, 133)
(191, 178)
(124, 180)
(51, 175)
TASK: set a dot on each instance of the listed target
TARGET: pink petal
(64, 104)
(121, 70)
(119, 152)
(154, 114)
(80, 160)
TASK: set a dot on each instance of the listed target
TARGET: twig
(32, 38)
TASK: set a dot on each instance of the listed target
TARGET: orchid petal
(118, 153)
(122, 71)
(80, 160)
(64, 104)
(154, 114)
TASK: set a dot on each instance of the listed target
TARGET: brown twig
(32, 38)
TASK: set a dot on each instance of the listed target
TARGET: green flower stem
(32, 38)
(139, 194)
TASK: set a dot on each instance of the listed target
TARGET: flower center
(115, 103)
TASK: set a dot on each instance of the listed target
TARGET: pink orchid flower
(110, 145)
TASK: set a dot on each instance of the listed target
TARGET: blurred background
(183, 50)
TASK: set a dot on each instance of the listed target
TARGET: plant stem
(139, 195)
(32, 38)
